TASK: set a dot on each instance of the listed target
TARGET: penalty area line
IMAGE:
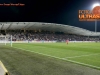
(60, 58)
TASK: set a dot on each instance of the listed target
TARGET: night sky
(50, 11)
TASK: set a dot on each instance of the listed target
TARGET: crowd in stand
(23, 36)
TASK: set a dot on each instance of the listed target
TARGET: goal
(6, 40)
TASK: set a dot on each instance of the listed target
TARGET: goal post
(11, 41)
(4, 40)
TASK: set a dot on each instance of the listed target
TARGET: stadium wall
(40, 41)
(28, 41)
(82, 41)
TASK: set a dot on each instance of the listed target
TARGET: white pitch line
(83, 55)
(60, 58)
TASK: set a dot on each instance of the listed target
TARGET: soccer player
(67, 41)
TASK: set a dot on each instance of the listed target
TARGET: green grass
(39, 58)
(62, 50)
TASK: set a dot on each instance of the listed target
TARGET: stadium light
(95, 25)
(94, 5)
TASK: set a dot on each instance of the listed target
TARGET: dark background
(51, 11)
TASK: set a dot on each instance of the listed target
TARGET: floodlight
(96, 4)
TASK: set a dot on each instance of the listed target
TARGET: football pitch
(52, 58)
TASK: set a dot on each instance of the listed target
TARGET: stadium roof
(47, 26)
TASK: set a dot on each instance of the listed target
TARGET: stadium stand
(22, 31)
(50, 36)
(47, 27)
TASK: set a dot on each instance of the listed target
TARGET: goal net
(2, 40)
(6, 40)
